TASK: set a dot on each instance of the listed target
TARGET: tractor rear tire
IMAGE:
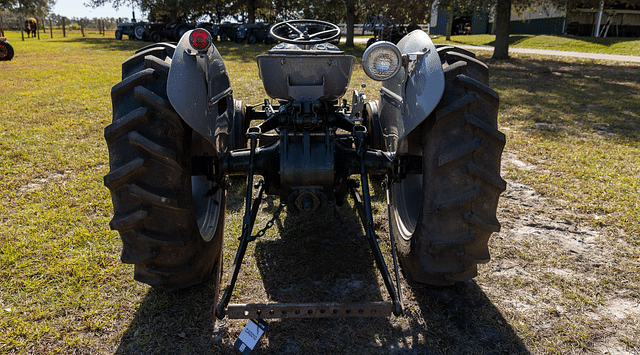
(370, 42)
(6, 51)
(442, 219)
(155, 36)
(171, 223)
(179, 31)
(139, 32)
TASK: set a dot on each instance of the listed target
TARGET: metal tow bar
(308, 310)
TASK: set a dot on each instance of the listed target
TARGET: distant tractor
(156, 31)
(212, 28)
(6, 50)
(131, 29)
(384, 29)
(227, 31)
(254, 33)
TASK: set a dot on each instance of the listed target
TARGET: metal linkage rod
(363, 205)
(251, 210)
(388, 184)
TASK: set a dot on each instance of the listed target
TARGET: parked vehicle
(131, 29)
(180, 28)
(254, 33)
(178, 134)
(212, 28)
(385, 29)
(227, 31)
(173, 31)
(312, 29)
(6, 50)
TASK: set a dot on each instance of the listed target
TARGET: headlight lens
(200, 40)
(381, 61)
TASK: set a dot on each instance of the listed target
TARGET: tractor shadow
(320, 258)
(180, 322)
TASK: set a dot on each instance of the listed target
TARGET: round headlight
(200, 40)
(382, 61)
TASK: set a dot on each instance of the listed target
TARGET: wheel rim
(139, 32)
(405, 201)
(206, 205)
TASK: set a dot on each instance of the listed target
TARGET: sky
(76, 8)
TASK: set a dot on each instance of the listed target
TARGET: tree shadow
(569, 98)
(604, 41)
(108, 43)
(513, 40)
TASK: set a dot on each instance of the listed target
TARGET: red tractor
(6, 50)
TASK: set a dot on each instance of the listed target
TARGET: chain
(270, 224)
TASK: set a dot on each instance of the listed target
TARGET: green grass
(608, 45)
(584, 137)
(63, 289)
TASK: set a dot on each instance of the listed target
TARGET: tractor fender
(199, 89)
(409, 97)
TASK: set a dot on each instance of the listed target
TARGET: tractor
(178, 135)
(6, 50)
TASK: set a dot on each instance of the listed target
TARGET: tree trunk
(502, 22)
(449, 24)
(351, 20)
(251, 11)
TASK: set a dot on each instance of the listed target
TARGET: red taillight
(200, 40)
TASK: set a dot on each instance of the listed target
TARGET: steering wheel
(297, 32)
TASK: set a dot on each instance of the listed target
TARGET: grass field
(609, 45)
(573, 138)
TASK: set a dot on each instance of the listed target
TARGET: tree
(351, 8)
(502, 24)
(406, 11)
(503, 15)
(333, 11)
(27, 8)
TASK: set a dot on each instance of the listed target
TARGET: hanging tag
(250, 335)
